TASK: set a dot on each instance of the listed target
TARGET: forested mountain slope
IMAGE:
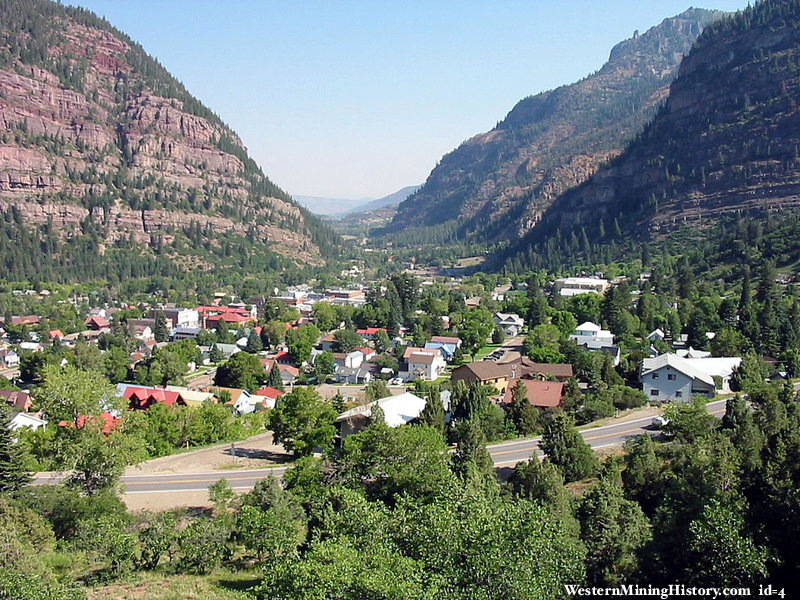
(496, 185)
(99, 142)
(725, 143)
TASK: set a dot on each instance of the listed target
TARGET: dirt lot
(253, 453)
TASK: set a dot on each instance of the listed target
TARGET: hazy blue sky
(357, 99)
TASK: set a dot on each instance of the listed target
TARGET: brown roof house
(544, 394)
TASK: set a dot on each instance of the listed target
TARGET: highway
(504, 455)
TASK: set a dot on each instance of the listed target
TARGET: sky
(357, 99)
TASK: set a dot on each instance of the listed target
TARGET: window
(679, 394)
(671, 376)
(654, 392)
(655, 375)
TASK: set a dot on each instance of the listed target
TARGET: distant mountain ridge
(725, 143)
(395, 198)
(497, 185)
(118, 170)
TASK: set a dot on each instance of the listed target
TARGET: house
(510, 323)
(20, 420)
(185, 333)
(527, 369)
(591, 336)
(31, 346)
(669, 377)
(656, 335)
(17, 400)
(397, 410)
(25, 320)
(228, 350)
(544, 394)
(97, 323)
(141, 329)
(241, 401)
(361, 374)
(447, 345)
(485, 372)
(328, 343)
(369, 332)
(142, 398)
(9, 357)
(55, 334)
(719, 368)
(269, 395)
(351, 360)
(692, 353)
(424, 364)
(108, 421)
(573, 286)
(192, 397)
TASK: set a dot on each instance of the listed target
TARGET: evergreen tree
(274, 377)
(160, 329)
(433, 413)
(254, 345)
(566, 449)
(215, 355)
(524, 416)
(13, 475)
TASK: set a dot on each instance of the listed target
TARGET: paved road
(505, 454)
(509, 453)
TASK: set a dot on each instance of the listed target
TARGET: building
(593, 337)
(544, 394)
(669, 378)
(573, 286)
(484, 372)
(397, 410)
(510, 323)
(425, 364)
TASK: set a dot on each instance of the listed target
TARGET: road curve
(504, 454)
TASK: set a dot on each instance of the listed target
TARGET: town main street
(504, 455)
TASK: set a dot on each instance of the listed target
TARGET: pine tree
(13, 475)
(566, 449)
(274, 378)
(254, 345)
(433, 413)
(160, 329)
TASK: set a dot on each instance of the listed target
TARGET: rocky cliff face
(93, 129)
(497, 185)
(725, 142)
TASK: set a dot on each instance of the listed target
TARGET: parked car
(396, 381)
(660, 421)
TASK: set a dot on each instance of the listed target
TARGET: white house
(669, 377)
(719, 368)
(397, 410)
(510, 323)
(591, 336)
(424, 364)
(28, 420)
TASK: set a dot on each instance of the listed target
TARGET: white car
(396, 381)
(660, 421)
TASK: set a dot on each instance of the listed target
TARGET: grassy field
(220, 585)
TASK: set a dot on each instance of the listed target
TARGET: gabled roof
(539, 393)
(269, 392)
(485, 369)
(588, 326)
(443, 339)
(674, 361)
(397, 410)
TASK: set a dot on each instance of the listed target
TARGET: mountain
(110, 168)
(725, 143)
(392, 199)
(497, 185)
(320, 205)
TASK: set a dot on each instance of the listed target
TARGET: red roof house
(545, 394)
